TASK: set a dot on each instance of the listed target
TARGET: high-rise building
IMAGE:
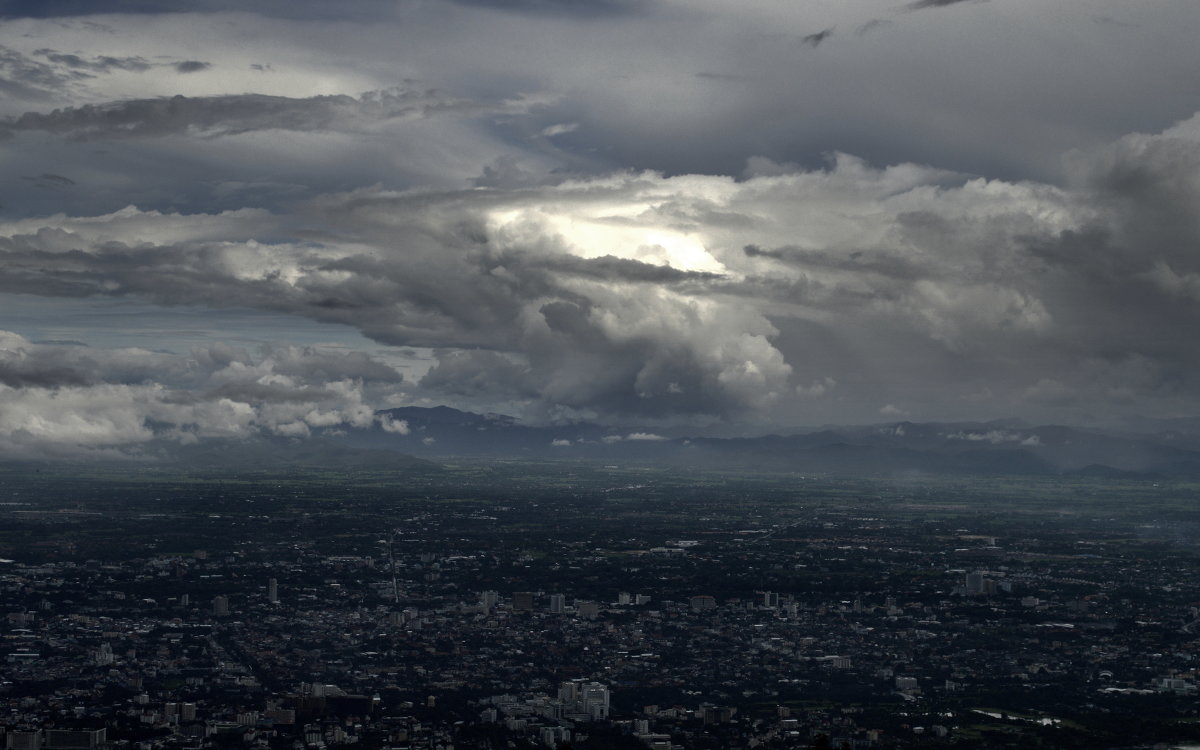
(74, 739)
(104, 655)
(579, 696)
(523, 600)
(558, 602)
(703, 601)
(282, 715)
(595, 699)
(220, 606)
(555, 736)
(273, 591)
(19, 740)
(587, 610)
(489, 599)
(247, 718)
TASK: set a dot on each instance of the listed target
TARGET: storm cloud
(640, 212)
(638, 294)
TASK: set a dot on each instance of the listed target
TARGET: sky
(278, 217)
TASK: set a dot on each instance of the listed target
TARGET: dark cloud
(215, 116)
(754, 251)
(521, 245)
(528, 246)
(1110, 21)
(480, 373)
(23, 375)
(890, 265)
(815, 40)
(191, 66)
(23, 77)
(873, 25)
(1127, 284)
(707, 75)
(100, 64)
(24, 364)
(923, 4)
(300, 9)
(611, 268)
(309, 364)
(578, 8)
(50, 181)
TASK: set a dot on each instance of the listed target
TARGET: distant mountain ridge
(420, 438)
(998, 447)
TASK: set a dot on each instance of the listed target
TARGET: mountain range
(421, 437)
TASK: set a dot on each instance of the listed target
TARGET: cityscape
(599, 375)
(512, 604)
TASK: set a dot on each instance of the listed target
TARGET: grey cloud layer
(229, 115)
(74, 400)
(700, 86)
(638, 295)
(305, 9)
(922, 4)
(49, 75)
(627, 210)
(100, 64)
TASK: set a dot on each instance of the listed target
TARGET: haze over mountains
(419, 437)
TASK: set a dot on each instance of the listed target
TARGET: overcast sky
(276, 217)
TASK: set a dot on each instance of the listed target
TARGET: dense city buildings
(523, 605)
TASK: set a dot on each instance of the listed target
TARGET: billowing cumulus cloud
(642, 212)
(639, 295)
(75, 400)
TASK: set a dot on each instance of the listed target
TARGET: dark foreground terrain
(519, 604)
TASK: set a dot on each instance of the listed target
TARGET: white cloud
(84, 398)
(561, 128)
(817, 389)
(390, 424)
